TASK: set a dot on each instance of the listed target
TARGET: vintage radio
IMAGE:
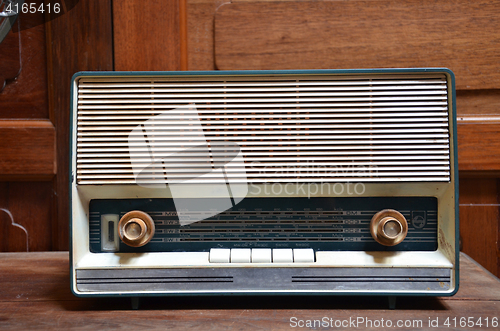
(264, 182)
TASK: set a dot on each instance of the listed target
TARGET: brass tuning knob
(389, 227)
(136, 228)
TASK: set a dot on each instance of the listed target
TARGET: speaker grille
(289, 128)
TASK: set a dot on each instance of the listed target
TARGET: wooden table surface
(35, 294)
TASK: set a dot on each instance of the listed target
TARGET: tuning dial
(136, 228)
(389, 227)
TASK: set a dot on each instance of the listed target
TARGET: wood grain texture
(462, 35)
(15, 237)
(474, 281)
(200, 25)
(183, 43)
(38, 297)
(478, 133)
(79, 40)
(28, 148)
(10, 57)
(146, 37)
(480, 220)
(29, 204)
(478, 144)
(26, 96)
(478, 102)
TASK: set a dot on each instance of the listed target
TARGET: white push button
(303, 255)
(261, 255)
(220, 255)
(240, 255)
(282, 255)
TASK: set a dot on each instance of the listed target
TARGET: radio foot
(392, 302)
(135, 303)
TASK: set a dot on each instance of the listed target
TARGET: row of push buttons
(261, 255)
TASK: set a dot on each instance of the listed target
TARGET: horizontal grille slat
(231, 98)
(251, 148)
(177, 169)
(118, 120)
(263, 80)
(174, 125)
(115, 181)
(409, 165)
(310, 127)
(293, 104)
(286, 143)
(266, 111)
(215, 178)
(159, 141)
(396, 126)
(170, 158)
(307, 133)
(293, 159)
(372, 90)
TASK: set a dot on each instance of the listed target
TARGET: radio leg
(392, 302)
(135, 303)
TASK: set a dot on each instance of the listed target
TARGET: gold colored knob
(389, 227)
(136, 228)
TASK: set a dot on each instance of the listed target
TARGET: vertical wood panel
(183, 38)
(27, 149)
(79, 40)
(10, 58)
(479, 220)
(146, 35)
(478, 144)
(200, 24)
(478, 102)
(30, 206)
(26, 97)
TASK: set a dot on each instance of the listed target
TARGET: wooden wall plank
(478, 102)
(183, 42)
(29, 203)
(28, 149)
(10, 58)
(26, 97)
(79, 40)
(478, 144)
(462, 35)
(146, 37)
(200, 25)
(479, 220)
